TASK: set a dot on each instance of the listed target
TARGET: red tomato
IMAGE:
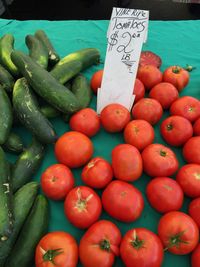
(176, 130)
(114, 117)
(126, 162)
(164, 194)
(56, 181)
(100, 244)
(195, 259)
(56, 249)
(196, 127)
(178, 232)
(96, 79)
(164, 93)
(147, 109)
(138, 90)
(139, 133)
(97, 173)
(193, 210)
(177, 76)
(122, 201)
(188, 177)
(149, 75)
(159, 160)
(141, 248)
(82, 206)
(85, 121)
(73, 149)
(191, 150)
(186, 106)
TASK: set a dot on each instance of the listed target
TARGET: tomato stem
(176, 240)
(49, 255)
(169, 127)
(189, 68)
(136, 242)
(163, 153)
(176, 69)
(104, 245)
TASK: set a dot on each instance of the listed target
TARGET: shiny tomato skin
(58, 240)
(176, 130)
(138, 90)
(73, 149)
(195, 258)
(164, 194)
(85, 121)
(96, 80)
(196, 127)
(56, 181)
(149, 75)
(92, 247)
(164, 93)
(177, 76)
(139, 133)
(193, 210)
(176, 225)
(149, 254)
(191, 150)
(122, 201)
(159, 160)
(97, 173)
(126, 163)
(82, 207)
(147, 109)
(188, 177)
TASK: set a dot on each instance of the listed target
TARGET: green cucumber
(35, 226)
(27, 163)
(6, 80)
(49, 111)
(53, 56)
(29, 114)
(72, 64)
(6, 48)
(13, 143)
(37, 51)
(6, 211)
(6, 116)
(45, 84)
(23, 201)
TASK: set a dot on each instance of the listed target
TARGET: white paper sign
(126, 32)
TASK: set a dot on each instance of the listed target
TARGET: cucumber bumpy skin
(6, 80)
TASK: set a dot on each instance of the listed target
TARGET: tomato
(177, 76)
(139, 133)
(82, 206)
(97, 173)
(196, 127)
(195, 259)
(73, 149)
(191, 150)
(138, 90)
(178, 232)
(85, 121)
(164, 93)
(114, 117)
(95, 81)
(56, 249)
(193, 210)
(164, 194)
(141, 248)
(100, 244)
(147, 109)
(176, 130)
(56, 181)
(122, 201)
(126, 162)
(159, 160)
(188, 177)
(186, 106)
(149, 75)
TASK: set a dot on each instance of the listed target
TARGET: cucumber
(23, 201)
(6, 80)
(27, 163)
(37, 51)
(6, 212)
(34, 228)
(6, 48)
(74, 63)
(6, 116)
(13, 143)
(82, 90)
(53, 56)
(49, 111)
(45, 84)
(28, 112)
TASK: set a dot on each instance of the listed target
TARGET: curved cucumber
(13, 143)
(6, 80)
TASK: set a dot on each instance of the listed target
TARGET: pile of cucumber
(33, 89)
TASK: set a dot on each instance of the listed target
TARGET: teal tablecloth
(177, 42)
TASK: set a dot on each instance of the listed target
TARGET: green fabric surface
(177, 42)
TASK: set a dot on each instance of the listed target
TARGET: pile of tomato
(102, 241)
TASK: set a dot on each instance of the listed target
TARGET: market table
(177, 42)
